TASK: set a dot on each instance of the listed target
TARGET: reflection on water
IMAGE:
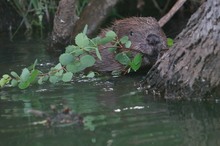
(114, 113)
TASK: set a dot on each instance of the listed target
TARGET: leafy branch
(76, 58)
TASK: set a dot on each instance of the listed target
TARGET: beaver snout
(153, 39)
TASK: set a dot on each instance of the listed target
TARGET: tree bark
(64, 21)
(191, 68)
(93, 15)
(67, 24)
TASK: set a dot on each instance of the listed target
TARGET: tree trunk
(191, 68)
(67, 24)
(93, 15)
(64, 21)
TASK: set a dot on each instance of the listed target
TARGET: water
(114, 112)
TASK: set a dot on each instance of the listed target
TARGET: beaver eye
(131, 33)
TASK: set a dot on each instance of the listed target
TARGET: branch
(170, 14)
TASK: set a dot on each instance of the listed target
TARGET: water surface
(114, 112)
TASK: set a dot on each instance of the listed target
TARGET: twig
(172, 11)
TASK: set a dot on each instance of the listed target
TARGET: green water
(114, 113)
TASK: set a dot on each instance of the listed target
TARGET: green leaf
(45, 78)
(58, 66)
(25, 75)
(109, 37)
(91, 75)
(66, 58)
(137, 59)
(124, 39)
(67, 77)
(5, 80)
(87, 60)
(82, 40)
(59, 73)
(15, 75)
(112, 50)
(98, 54)
(136, 62)
(88, 49)
(35, 63)
(128, 44)
(23, 85)
(2, 82)
(85, 29)
(96, 40)
(27, 78)
(31, 67)
(42, 79)
(170, 42)
(105, 40)
(70, 48)
(6, 76)
(53, 79)
(75, 67)
(14, 82)
(111, 34)
(123, 58)
(74, 50)
(78, 52)
(71, 68)
(33, 76)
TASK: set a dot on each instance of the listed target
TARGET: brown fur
(146, 37)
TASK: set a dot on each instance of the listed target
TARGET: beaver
(146, 38)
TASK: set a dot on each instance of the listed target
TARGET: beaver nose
(153, 39)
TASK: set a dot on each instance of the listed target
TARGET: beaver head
(146, 38)
(145, 35)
